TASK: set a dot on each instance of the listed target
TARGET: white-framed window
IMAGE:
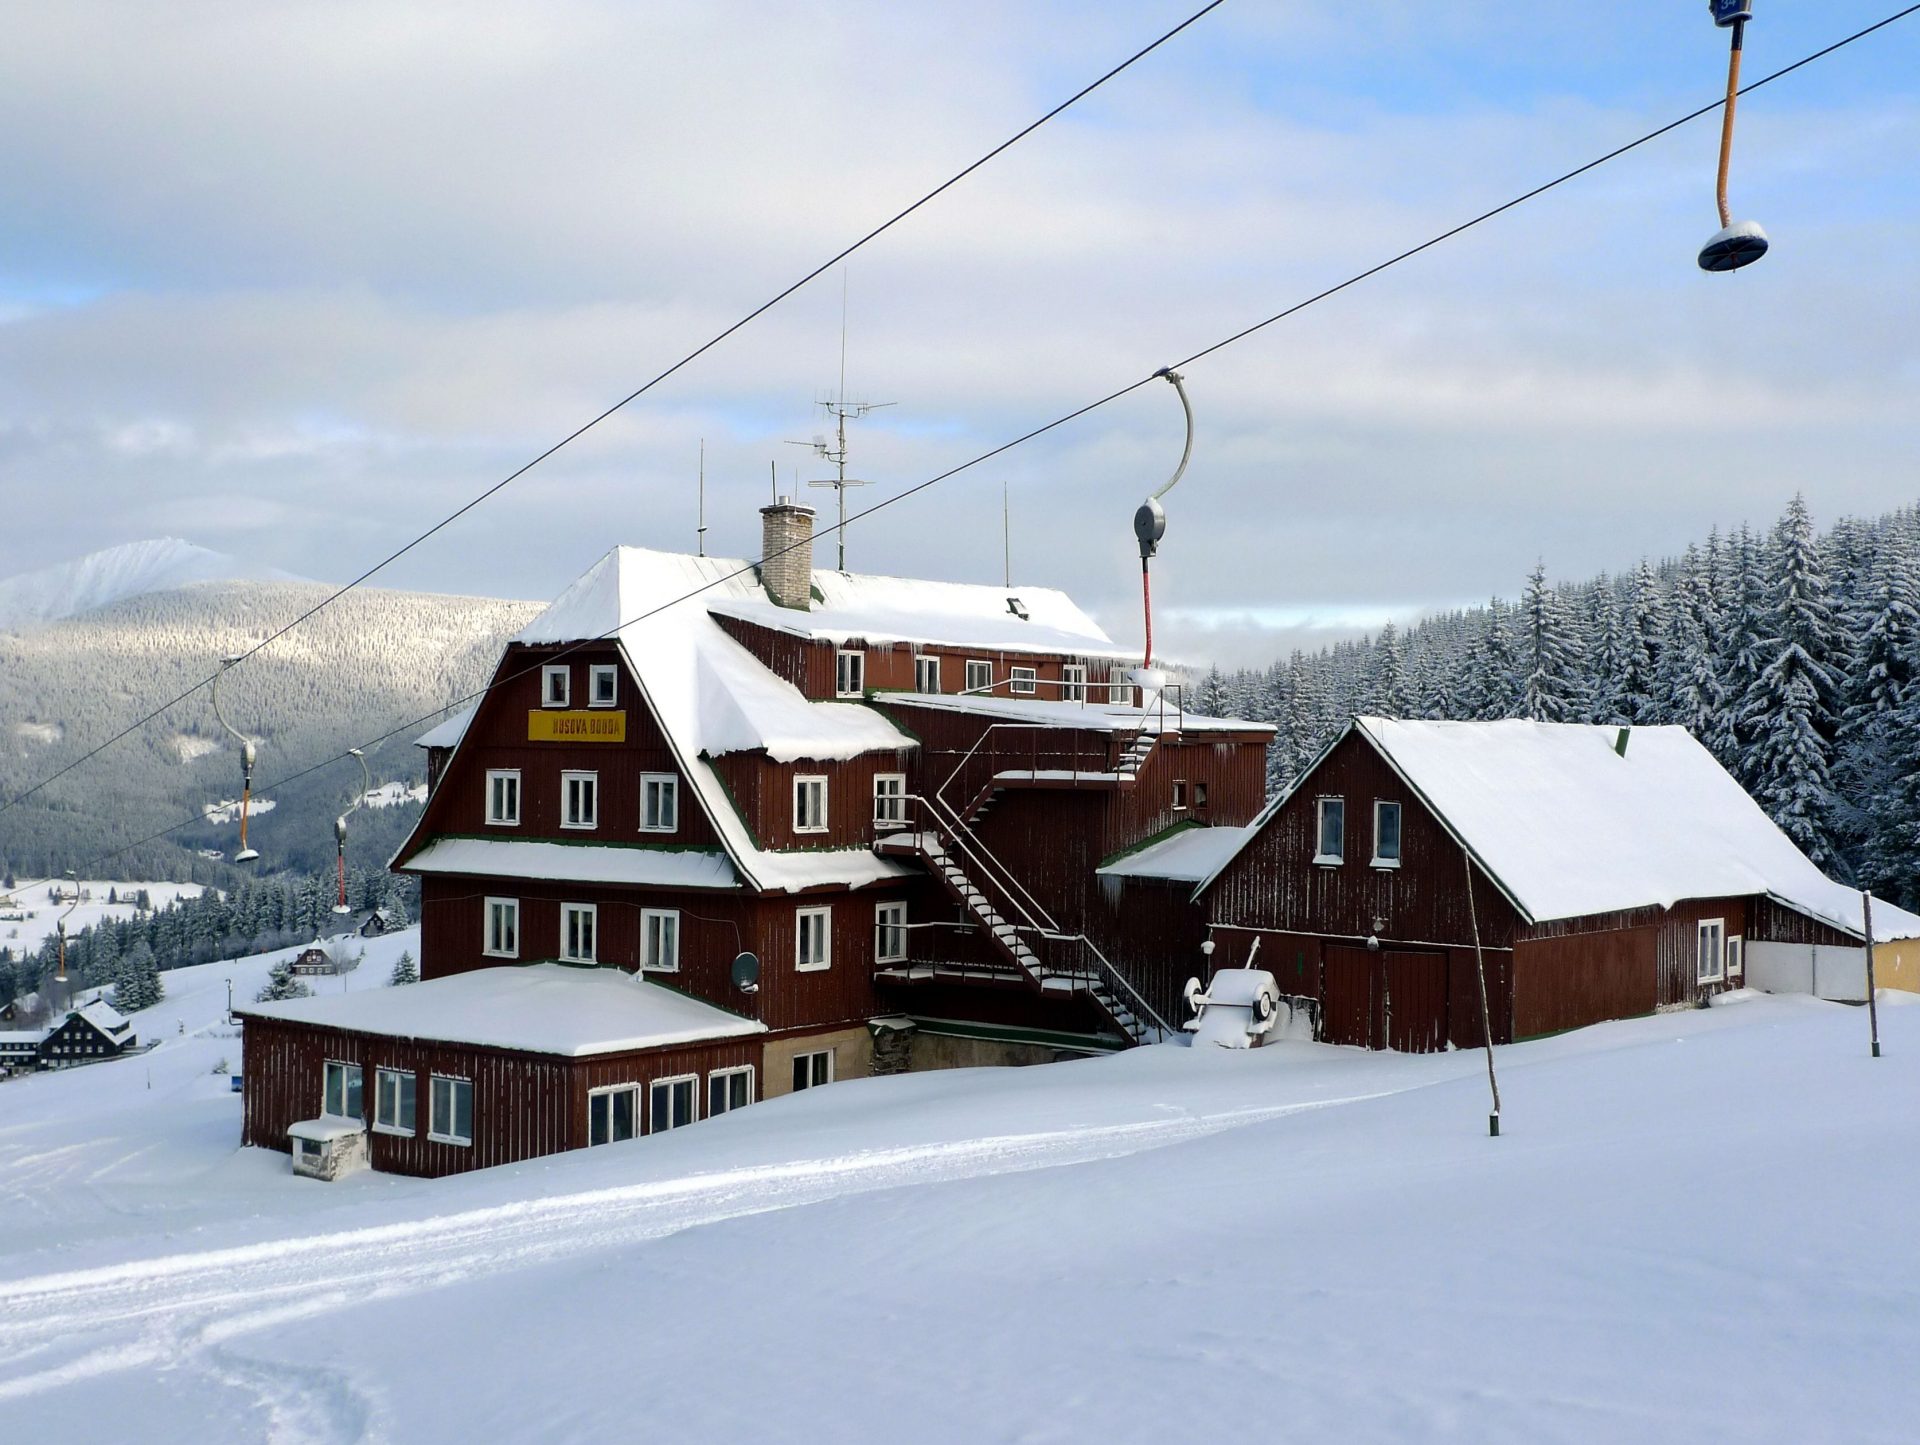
(1119, 689)
(613, 1114)
(809, 804)
(450, 1110)
(810, 1071)
(1330, 830)
(889, 799)
(1024, 682)
(1712, 954)
(579, 800)
(340, 1095)
(393, 1102)
(1179, 795)
(979, 675)
(1386, 834)
(926, 674)
(729, 1089)
(673, 1103)
(502, 928)
(556, 684)
(659, 802)
(1736, 959)
(1073, 683)
(813, 933)
(503, 797)
(578, 927)
(660, 939)
(603, 685)
(889, 932)
(849, 674)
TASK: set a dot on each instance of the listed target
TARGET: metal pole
(1873, 1007)
(1486, 1015)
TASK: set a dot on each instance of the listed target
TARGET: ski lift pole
(340, 828)
(249, 755)
(1873, 1007)
(60, 926)
(1150, 521)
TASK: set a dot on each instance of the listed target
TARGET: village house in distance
(716, 834)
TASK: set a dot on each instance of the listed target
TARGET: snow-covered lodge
(716, 834)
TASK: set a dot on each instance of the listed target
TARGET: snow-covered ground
(388, 795)
(1696, 1226)
(35, 900)
(227, 810)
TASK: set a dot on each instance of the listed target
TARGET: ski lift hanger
(249, 755)
(340, 828)
(1150, 521)
(1735, 244)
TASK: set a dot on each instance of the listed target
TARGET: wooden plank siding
(1570, 980)
(1771, 922)
(763, 792)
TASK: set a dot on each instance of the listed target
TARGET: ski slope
(36, 900)
(1695, 1227)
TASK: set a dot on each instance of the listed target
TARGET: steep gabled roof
(104, 1017)
(1567, 827)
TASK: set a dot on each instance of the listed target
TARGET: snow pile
(102, 578)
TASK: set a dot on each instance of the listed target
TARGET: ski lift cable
(640, 391)
(1046, 427)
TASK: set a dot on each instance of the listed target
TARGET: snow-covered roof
(103, 1016)
(1094, 714)
(586, 862)
(935, 614)
(539, 1008)
(1183, 857)
(712, 696)
(448, 733)
(325, 1130)
(1567, 827)
(22, 1036)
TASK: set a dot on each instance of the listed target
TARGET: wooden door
(1415, 1002)
(1347, 997)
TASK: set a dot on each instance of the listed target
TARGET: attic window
(1017, 608)
(604, 685)
(555, 685)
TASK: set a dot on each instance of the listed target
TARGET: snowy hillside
(1694, 1228)
(28, 914)
(102, 578)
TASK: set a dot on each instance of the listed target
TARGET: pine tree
(1386, 693)
(281, 984)
(1880, 730)
(1690, 678)
(404, 970)
(1552, 690)
(1642, 623)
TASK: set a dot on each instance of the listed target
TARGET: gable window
(393, 1101)
(556, 685)
(1023, 682)
(849, 674)
(659, 802)
(1386, 835)
(926, 674)
(979, 675)
(450, 1110)
(503, 928)
(1179, 795)
(503, 797)
(1712, 955)
(1119, 689)
(1073, 684)
(1736, 959)
(579, 800)
(809, 804)
(660, 939)
(889, 800)
(814, 934)
(729, 1089)
(672, 1104)
(603, 685)
(613, 1114)
(889, 933)
(810, 1071)
(340, 1097)
(1330, 830)
(577, 929)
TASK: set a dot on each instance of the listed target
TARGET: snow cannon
(1737, 243)
(1238, 1010)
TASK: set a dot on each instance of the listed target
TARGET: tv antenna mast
(835, 451)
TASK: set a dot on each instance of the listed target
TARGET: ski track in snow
(185, 1311)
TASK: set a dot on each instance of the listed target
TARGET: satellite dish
(746, 973)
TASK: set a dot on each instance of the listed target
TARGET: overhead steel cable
(1058, 421)
(633, 395)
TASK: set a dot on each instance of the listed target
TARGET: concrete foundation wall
(1823, 970)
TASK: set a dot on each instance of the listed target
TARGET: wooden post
(1873, 1007)
(1486, 1014)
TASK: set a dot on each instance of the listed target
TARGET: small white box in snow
(327, 1148)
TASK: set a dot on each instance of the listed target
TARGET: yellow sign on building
(599, 726)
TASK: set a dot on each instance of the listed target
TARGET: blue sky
(294, 284)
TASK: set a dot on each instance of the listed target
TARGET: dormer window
(1017, 608)
(556, 685)
(850, 674)
(603, 685)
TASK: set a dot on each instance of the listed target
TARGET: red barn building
(897, 795)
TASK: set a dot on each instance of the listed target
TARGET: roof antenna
(1150, 521)
(340, 827)
(1006, 533)
(249, 755)
(700, 532)
(1732, 246)
(840, 409)
(773, 479)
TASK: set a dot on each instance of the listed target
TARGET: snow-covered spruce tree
(1487, 687)
(1386, 687)
(404, 970)
(1552, 689)
(139, 982)
(1689, 672)
(1642, 626)
(1789, 713)
(282, 984)
(1879, 737)
(1743, 654)
(1606, 695)
(1210, 697)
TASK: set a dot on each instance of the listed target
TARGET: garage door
(1416, 1001)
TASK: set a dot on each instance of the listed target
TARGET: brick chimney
(786, 542)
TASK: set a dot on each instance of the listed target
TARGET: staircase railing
(995, 761)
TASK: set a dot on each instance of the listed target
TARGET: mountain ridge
(117, 574)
